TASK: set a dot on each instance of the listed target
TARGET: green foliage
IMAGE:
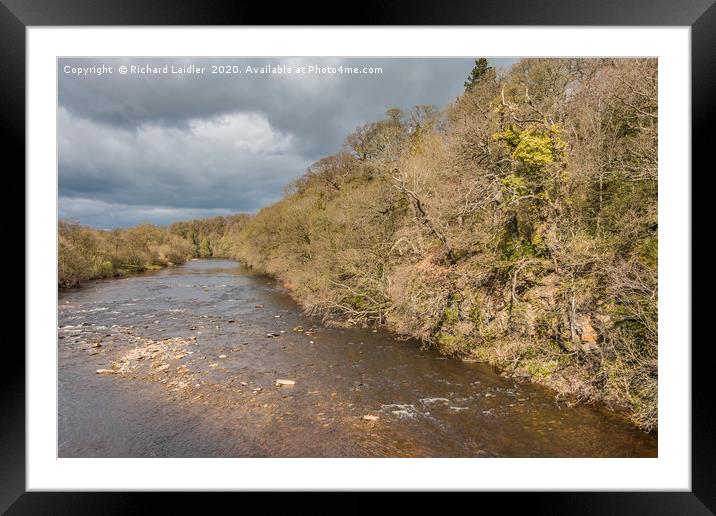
(515, 248)
(479, 71)
(451, 315)
(540, 369)
(515, 186)
(649, 252)
(534, 146)
(449, 344)
(476, 316)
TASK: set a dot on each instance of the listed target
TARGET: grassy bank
(518, 226)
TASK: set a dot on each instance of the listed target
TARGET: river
(189, 358)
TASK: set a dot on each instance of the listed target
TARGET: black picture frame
(700, 15)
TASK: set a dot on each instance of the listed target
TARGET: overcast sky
(162, 147)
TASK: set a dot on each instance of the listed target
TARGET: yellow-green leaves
(515, 185)
(534, 146)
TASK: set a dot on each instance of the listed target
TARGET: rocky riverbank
(230, 366)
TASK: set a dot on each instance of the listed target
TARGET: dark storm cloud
(206, 144)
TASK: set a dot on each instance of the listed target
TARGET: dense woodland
(86, 253)
(518, 227)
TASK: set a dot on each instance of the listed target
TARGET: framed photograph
(424, 252)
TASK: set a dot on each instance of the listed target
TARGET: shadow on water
(232, 333)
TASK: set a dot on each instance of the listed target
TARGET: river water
(192, 355)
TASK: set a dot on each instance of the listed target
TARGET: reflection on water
(197, 350)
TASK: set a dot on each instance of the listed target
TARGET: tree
(478, 72)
